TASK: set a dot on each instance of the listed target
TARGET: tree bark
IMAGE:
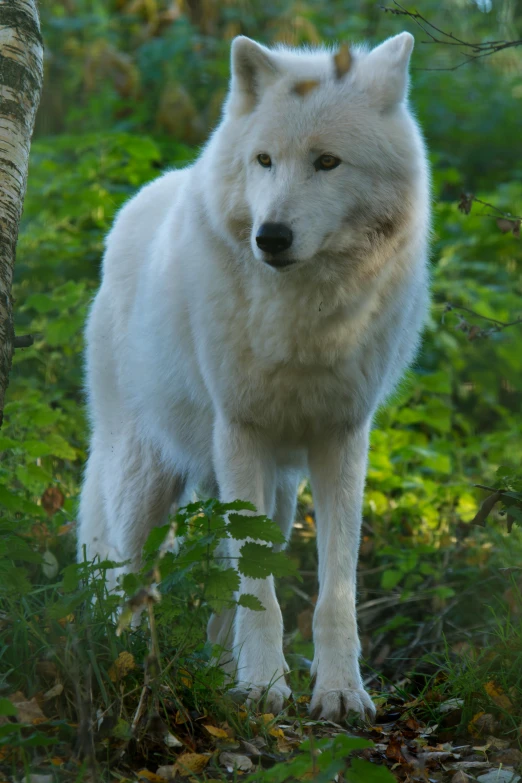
(21, 77)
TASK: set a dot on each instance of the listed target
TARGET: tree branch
(478, 49)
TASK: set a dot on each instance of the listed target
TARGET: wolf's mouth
(279, 263)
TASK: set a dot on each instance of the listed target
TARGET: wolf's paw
(335, 704)
(270, 697)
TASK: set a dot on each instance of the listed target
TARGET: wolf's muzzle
(274, 238)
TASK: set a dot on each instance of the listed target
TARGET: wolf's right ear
(253, 69)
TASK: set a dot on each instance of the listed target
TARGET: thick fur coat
(220, 358)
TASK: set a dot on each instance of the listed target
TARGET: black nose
(274, 237)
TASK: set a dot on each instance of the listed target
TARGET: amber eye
(326, 163)
(264, 160)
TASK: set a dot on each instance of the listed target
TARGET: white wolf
(255, 309)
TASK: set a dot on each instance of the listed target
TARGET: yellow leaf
(145, 774)
(303, 700)
(186, 678)
(267, 717)
(497, 695)
(56, 761)
(123, 664)
(189, 763)
(277, 733)
(216, 732)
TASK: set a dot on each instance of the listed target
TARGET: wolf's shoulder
(149, 206)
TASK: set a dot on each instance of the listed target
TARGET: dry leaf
(268, 717)
(482, 723)
(497, 695)
(27, 711)
(460, 777)
(217, 732)
(465, 203)
(171, 741)
(342, 61)
(52, 500)
(53, 692)
(189, 763)
(123, 664)
(499, 776)
(507, 225)
(275, 732)
(167, 772)
(236, 761)
(303, 88)
(145, 774)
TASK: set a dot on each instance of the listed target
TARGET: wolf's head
(317, 154)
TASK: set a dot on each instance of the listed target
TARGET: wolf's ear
(386, 68)
(253, 69)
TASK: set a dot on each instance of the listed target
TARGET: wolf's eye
(326, 163)
(264, 160)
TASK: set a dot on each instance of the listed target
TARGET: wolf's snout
(274, 237)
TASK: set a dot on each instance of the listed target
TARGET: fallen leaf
(499, 744)
(274, 732)
(171, 741)
(499, 776)
(214, 731)
(482, 723)
(53, 692)
(511, 756)
(460, 777)
(267, 717)
(33, 778)
(145, 774)
(123, 664)
(235, 761)
(394, 752)
(497, 695)
(189, 763)
(27, 711)
(167, 772)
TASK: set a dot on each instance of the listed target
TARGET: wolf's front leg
(338, 469)
(245, 469)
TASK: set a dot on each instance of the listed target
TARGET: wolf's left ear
(386, 67)
(253, 69)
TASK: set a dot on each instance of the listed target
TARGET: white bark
(21, 76)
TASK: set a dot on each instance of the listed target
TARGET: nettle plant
(186, 561)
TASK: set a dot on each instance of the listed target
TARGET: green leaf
(155, 539)
(7, 707)
(391, 578)
(250, 601)
(220, 586)
(259, 527)
(259, 561)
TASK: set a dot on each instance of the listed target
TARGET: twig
(139, 709)
(479, 49)
(448, 307)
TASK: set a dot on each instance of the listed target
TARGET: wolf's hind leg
(127, 492)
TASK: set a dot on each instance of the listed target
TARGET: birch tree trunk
(21, 76)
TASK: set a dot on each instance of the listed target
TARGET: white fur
(206, 364)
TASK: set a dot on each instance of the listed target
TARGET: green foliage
(131, 89)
